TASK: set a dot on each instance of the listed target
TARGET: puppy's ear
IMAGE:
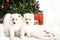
(19, 15)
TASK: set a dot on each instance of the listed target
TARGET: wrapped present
(36, 16)
(39, 17)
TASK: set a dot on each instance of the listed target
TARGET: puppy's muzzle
(27, 22)
(13, 22)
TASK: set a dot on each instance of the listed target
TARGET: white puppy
(12, 24)
(28, 21)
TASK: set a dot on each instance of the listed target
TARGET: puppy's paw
(28, 35)
(16, 38)
(11, 38)
(21, 37)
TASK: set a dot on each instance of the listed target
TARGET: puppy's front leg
(22, 34)
(28, 34)
(11, 34)
(6, 32)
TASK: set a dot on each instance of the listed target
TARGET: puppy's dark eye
(19, 16)
(29, 19)
(25, 19)
(12, 19)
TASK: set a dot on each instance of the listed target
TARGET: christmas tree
(18, 6)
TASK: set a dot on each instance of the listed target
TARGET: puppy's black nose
(13, 22)
(27, 22)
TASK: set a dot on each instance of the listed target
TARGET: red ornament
(38, 6)
(30, 4)
(2, 7)
(7, 1)
(1, 21)
(10, 7)
(35, 8)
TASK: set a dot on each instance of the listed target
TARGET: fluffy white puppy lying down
(12, 24)
(37, 31)
(2, 35)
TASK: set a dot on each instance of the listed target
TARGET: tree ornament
(20, 4)
(35, 8)
(30, 4)
(38, 6)
(2, 7)
(10, 7)
(7, 1)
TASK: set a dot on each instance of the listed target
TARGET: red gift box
(39, 17)
(36, 16)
